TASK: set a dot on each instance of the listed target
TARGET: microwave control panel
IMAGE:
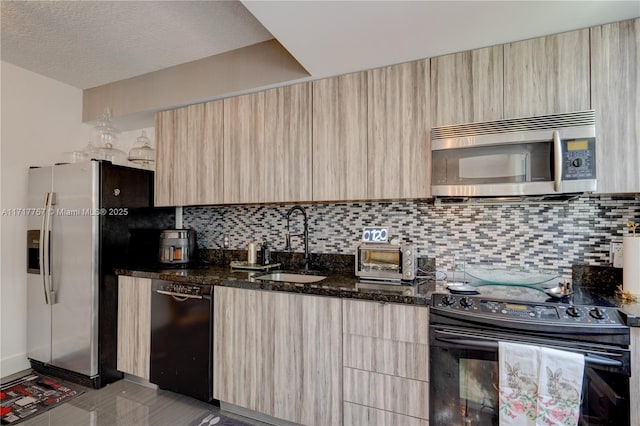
(579, 159)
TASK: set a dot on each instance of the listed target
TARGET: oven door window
(465, 382)
(464, 386)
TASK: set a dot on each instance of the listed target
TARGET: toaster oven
(386, 262)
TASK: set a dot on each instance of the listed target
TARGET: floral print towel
(539, 386)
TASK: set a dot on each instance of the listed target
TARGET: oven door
(464, 378)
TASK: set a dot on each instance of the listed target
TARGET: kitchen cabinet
(244, 149)
(189, 155)
(615, 85)
(287, 153)
(340, 138)
(385, 363)
(547, 75)
(134, 325)
(398, 135)
(267, 146)
(279, 354)
(467, 86)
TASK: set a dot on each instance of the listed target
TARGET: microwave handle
(557, 166)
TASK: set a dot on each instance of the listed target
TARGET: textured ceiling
(90, 43)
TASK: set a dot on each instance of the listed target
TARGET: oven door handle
(491, 344)
(178, 296)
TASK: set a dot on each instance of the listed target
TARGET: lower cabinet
(279, 354)
(634, 384)
(385, 364)
(134, 325)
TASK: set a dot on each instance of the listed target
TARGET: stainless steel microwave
(386, 262)
(551, 154)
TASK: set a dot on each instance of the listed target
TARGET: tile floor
(125, 403)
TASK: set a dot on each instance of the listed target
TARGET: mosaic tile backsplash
(546, 236)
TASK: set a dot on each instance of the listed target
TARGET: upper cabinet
(244, 149)
(547, 75)
(340, 138)
(287, 134)
(615, 85)
(189, 155)
(398, 148)
(467, 87)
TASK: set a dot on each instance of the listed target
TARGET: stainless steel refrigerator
(81, 220)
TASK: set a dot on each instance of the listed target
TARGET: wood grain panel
(134, 326)
(359, 415)
(279, 354)
(340, 138)
(386, 321)
(615, 82)
(402, 359)
(547, 75)
(243, 348)
(389, 393)
(287, 153)
(467, 86)
(634, 382)
(244, 149)
(189, 155)
(398, 146)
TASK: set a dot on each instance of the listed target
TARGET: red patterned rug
(31, 395)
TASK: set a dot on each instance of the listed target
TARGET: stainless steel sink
(290, 277)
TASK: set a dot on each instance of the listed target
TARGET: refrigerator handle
(48, 290)
(44, 242)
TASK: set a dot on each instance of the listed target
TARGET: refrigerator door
(38, 310)
(74, 268)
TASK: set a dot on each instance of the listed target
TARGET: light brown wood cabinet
(279, 354)
(340, 138)
(547, 75)
(615, 85)
(134, 326)
(467, 86)
(398, 137)
(385, 363)
(189, 155)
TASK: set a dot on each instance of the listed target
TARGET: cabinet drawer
(389, 393)
(359, 415)
(404, 323)
(403, 359)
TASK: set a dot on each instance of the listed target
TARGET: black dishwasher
(182, 338)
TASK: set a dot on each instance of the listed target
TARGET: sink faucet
(304, 235)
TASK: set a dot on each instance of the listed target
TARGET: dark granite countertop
(335, 285)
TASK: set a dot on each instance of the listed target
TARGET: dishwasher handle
(179, 296)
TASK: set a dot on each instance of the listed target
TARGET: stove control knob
(465, 302)
(448, 300)
(596, 313)
(573, 312)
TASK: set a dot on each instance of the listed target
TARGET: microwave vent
(542, 122)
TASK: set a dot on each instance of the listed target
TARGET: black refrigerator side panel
(129, 234)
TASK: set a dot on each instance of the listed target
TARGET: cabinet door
(398, 146)
(615, 82)
(467, 87)
(189, 155)
(340, 138)
(134, 325)
(547, 75)
(287, 144)
(244, 149)
(279, 354)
